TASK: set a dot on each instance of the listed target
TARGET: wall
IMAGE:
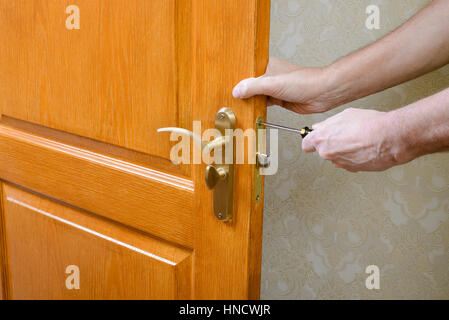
(323, 226)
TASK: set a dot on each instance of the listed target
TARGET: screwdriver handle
(305, 131)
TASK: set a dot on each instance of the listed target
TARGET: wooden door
(89, 195)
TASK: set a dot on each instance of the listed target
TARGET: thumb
(308, 143)
(254, 86)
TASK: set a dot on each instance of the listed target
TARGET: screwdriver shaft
(303, 132)
(276, 126)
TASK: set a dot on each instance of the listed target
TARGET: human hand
(357, 140)
(302, 90)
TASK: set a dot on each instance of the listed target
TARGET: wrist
(401, 143)
(338, 83)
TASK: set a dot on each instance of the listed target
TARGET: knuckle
(271, 85)
(321, 138)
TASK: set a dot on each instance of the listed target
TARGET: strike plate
(260, 150)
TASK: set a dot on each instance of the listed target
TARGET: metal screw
(257, 198)
(221, 116)
(220, 216)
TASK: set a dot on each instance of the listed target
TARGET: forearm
(419, 46)
(420, 128)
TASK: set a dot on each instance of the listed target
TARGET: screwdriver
(302, 132)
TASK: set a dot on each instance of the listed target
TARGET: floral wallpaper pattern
(323, 226)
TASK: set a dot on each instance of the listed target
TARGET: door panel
(79, 112)
(114, 262)
(140, 197)
(114, 80)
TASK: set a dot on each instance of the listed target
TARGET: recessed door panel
(114, 79)
(56, 252)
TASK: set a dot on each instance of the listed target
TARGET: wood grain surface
(114, 80)
(226, 53)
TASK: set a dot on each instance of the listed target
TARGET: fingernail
(236, 92)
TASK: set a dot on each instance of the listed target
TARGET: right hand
(302, 90)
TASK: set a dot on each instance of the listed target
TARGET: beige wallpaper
(324, 226)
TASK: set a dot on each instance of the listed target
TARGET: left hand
(356, 140)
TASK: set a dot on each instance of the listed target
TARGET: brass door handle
(205, 146)
(220, 176)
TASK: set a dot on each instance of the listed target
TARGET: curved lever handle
(205, 147)
(214, 175)
(195, 137)
(217, 142)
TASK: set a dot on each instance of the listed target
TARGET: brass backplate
(224, 190)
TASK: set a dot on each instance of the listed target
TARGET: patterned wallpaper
(324, 226)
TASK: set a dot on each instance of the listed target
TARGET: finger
(337, 165)
(348, 166)
(298, 108)
(255, 86)
(352, 169)
(343, 166)
(308, 143)
(274, 102)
